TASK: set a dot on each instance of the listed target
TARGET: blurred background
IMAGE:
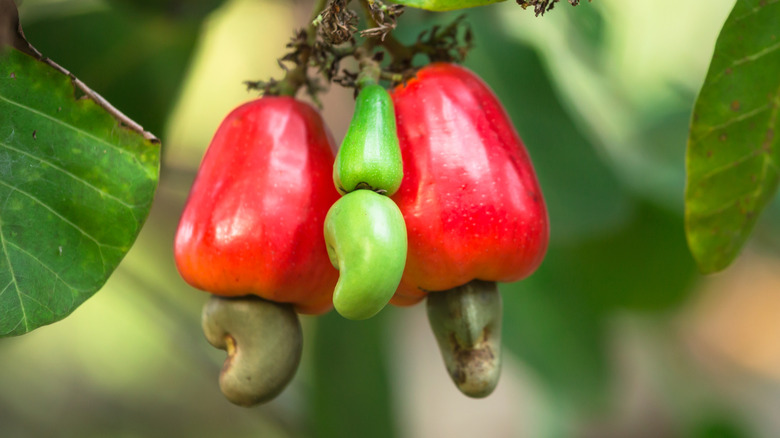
(616, 335)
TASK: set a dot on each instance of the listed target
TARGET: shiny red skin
(254, 217)
(472, 205)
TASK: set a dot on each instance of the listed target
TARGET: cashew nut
(466, 321)
(263, 341)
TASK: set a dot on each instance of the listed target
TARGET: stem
(311, 30)
(296, 77)
(370, 72)
(369, 43)
(342, 52)
(392, 77)
(293, 79)
(399, 52)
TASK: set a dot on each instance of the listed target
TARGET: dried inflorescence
(337, 23)
(448, 43)
(385, 18)
(335, 35)
(299, 56)
(542, 6)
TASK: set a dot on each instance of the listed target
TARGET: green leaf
(76, 186)
(733, 154)
(444, 5)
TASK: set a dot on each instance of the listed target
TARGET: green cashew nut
(264, 343)
(370, 156)
(366, 238)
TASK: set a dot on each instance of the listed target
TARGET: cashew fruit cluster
(432, 194)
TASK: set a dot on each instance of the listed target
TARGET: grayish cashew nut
(466, 321)
(264, 343)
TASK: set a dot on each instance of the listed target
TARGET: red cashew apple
(254, 218)
(472, 205)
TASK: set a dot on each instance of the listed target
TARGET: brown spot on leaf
(735, 105)
(766, 146)
(13, 75)
(35, 137)
(723, 137)
(709, 154)
(728, 71)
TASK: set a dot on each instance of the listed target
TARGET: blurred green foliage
(610, 160)
(351, 391)
(134, 52)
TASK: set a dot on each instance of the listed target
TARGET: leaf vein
(14, 280)
(39, 302)
(767, 159)
(742, 117)
(755, 10)
(76, 129)
(6, 287)
(32, 256)
(757, 55)
(13, 329)
(753, 194)
(61, 217)
(75, 177)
